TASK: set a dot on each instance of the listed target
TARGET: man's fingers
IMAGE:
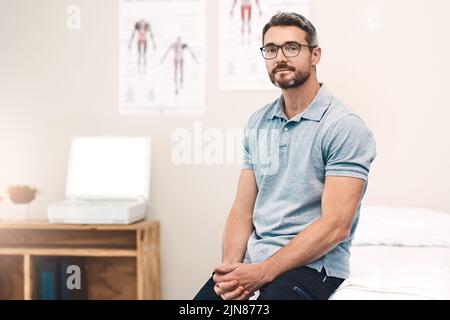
(225, 268)
(245, 295)
(217, 290)
(220, 277)
(233, 294)
(223, 287)
(220, 273)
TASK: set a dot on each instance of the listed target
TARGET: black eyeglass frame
(281, 47)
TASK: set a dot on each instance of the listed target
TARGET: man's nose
(280, 56)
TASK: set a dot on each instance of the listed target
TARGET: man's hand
(239, 280)
(231, 290)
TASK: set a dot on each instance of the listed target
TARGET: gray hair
(293, 19)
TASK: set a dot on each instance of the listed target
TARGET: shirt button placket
(284, 137)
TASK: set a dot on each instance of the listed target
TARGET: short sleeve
(246, 152)
(349, 148)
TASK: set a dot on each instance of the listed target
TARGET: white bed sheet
(397, 273)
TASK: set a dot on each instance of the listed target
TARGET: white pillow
(402, 226)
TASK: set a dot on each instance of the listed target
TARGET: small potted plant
(21, 196)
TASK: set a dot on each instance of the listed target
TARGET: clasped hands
(239, 281)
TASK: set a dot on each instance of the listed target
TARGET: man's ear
(315, 56)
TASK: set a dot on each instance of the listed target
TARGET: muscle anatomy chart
(161, 56)
(240, 27)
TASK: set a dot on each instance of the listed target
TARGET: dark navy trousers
(302, 283)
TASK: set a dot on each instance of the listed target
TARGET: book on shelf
(61, 279)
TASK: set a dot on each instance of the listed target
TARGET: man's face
(285, 72)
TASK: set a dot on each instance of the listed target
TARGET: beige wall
(55, 84)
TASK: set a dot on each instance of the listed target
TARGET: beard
(289, 83)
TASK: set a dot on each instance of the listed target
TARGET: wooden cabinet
(121, 261)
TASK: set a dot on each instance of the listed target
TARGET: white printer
(108, 181)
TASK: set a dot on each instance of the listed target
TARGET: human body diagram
(143, 30)
(178, 48)
(246, 17)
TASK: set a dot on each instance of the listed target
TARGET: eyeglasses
(290, 50)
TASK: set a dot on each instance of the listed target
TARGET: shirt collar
(314, 111)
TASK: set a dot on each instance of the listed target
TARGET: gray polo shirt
(290, 159)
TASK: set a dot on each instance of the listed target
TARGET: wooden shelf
(44, 224)
(68, 252)
(122, 261)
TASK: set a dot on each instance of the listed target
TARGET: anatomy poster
(161, 56)
(241, 22)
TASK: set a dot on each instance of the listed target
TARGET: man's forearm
(237, 231)
(316, 240)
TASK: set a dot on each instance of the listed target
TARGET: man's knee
(207, 292)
